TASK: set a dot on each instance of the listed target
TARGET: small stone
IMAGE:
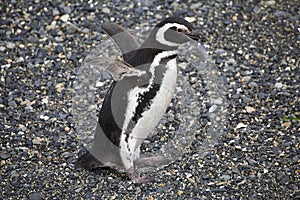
(286, 124)
(220, 52)
(12, 104)
(225, 177)
(66, 154)
(195, 5)
(283, 14)
(37, 141)
(44, 117)
(256, 9)
(2, 48)
(10, 45)
(190, 19)
(147, 3)
(278, 85)
(250, 109)
(36, 196)
(106, 10)
(59, 87)
(234, 18)
(67, 129)
(3, 162)
(59, 48)
(246, 78)
(213, 108)
(240, 51)
(4, 156)
(241, 125)
(269, 3)
(64, 18)
(253, 84)
(179, 192)
(49, 158)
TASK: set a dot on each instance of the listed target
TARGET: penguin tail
(88, 161)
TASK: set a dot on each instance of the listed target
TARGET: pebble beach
(255, 45)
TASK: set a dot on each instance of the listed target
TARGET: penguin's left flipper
(117, 68)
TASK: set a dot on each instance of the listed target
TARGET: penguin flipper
(89, 162)
(117, 68)
(123, 39)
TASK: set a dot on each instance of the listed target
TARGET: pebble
(225, 177)
(278, 85)
(269, 3)
(59, 87)
(37, 141)
(10, 45)
(40, 50)
(190, 19)
(253, 84)
(241, 125)
(106, 10)
(13, 104)
(3, 162)
(250, 109)
(36, 196)
(286, 124)
(283, 14)
(196, 5)
(4, 156)
(2, 48)
(65, 17)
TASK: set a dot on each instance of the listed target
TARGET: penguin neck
(149, 50)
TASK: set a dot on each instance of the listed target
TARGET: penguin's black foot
(155, 161)
(88, 162)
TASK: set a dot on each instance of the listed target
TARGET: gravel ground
(255, 45)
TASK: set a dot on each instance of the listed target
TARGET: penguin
(143, 86)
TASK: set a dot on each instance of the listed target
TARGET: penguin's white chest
(158, 106)
(150, 117)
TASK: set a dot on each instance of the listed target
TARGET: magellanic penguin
(144, 83)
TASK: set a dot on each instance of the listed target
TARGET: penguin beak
(196, 35)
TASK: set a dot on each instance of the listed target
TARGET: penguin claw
(138, 179)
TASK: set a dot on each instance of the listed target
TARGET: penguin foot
(88, 161)
(143, 179)
(138, 179)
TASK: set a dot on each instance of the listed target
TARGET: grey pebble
(4, 156)
(225, 177)
(283, 14)
(10, 45)
(253, 84)
(36, 196)
(13, 104)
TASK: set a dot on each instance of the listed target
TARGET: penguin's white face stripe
(128, 148)
(160, 35)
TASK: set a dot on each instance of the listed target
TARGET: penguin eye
(183, 30)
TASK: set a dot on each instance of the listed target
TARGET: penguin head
(175, 31)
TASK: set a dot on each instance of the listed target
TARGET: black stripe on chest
(144, 101)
